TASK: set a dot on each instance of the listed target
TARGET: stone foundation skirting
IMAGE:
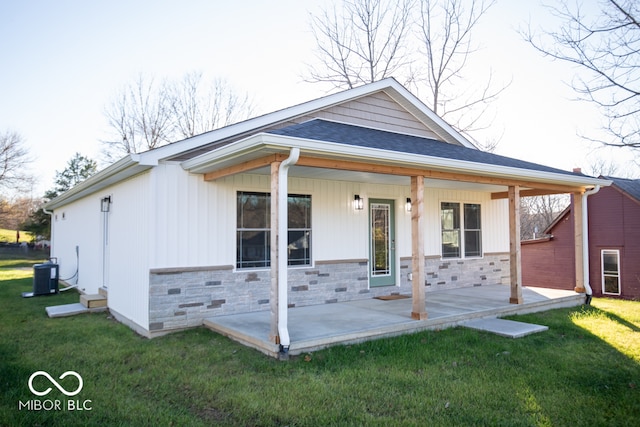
(491, 269)
(182, 297)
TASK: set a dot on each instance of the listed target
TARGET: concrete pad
(505, 328)
(70, 310)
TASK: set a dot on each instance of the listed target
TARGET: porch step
(71, 310)
(505, 328)
(103, 291)
(93, 300)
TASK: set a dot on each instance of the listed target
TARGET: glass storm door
(382, 244)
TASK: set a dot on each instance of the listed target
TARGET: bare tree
(362, 43)
(445, 35)
(605, 45)
(426, 46)
(198, 107)
(14, 159)
(538, 212)
(140, 116)
(145, 114)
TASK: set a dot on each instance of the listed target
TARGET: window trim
(603, 274)
(462, 229)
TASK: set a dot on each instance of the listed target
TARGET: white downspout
(585, 242)
(283, 277)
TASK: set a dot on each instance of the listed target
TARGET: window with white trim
(253, 229)
(461, 230)
(610, 271)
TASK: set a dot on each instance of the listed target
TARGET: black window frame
(254, 226)
(460, 231)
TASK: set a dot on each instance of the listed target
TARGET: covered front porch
(315, 327)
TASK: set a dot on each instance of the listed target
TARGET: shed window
(461, 230)
(253, 235)
(610, 271)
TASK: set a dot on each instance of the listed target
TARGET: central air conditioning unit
(45, 280)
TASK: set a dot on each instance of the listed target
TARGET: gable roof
(323, 130)
(199, 144)
(254, 137)
(629, 186)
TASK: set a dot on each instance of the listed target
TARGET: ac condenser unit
(45, 280)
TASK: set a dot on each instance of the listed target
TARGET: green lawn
(10, 236)
(584, 371)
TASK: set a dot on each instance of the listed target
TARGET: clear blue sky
(63, 60)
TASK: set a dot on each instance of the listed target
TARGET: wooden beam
(419, 310)
(515, 258)
(578, 242)
(534, 192)
(244, 167)
(356, 166)
(537, 188)
(273, 292)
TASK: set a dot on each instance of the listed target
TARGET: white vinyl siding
(196, 226)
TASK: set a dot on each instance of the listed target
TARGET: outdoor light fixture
(358, 203)
(105, 204)
(407, 205)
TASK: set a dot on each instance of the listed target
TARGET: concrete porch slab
(316, 327)
(505, 328)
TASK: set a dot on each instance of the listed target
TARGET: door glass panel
(380, 239)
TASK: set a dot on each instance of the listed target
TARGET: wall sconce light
(105, 204)
(407, 206)
(358, 203)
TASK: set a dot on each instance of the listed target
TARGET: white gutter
(283, 277)
(585, 242)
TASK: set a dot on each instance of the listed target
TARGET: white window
(610, 271)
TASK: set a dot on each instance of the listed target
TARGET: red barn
(614, 245)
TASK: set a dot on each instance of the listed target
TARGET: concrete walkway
(315, 327)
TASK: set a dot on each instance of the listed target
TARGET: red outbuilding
(614, 245)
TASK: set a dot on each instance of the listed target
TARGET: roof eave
(124, 168)
(278, 143)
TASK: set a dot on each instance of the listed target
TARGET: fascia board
(122, 169)
(282, 143)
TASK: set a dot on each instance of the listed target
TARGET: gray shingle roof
(629, 186)
(322, 130)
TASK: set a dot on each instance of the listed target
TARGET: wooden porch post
(578, 242)
(418, 310)
(514, 245)
(273, 293)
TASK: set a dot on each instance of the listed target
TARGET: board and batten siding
(79, 224)
(129, 244)
(196, 220)
(115, 255)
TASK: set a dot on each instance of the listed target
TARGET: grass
(584, 371)
(10, 236)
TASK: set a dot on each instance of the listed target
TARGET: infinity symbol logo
(55, 383)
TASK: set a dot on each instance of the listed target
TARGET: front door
(382, 244)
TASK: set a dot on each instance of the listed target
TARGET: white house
(370, 192)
